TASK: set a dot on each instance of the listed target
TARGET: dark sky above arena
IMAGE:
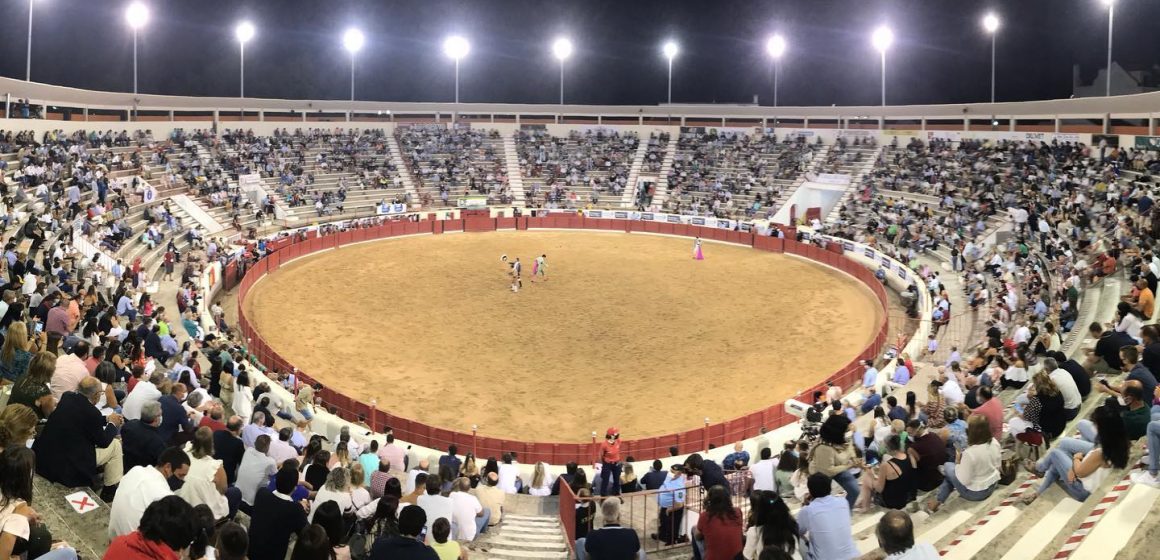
(940, 55)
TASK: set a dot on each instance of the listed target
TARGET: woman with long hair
(628, 480)
(32, 389)
(359, 495)
(719, 529)
(18, 535)
(470, 470)
(107, 374)
(16, 353)
(206, 481)
(313, 447)
(337, 490)
(787, 464)
(313, 544)
(1044, 410)
(243, 398)
(932, 410)
(540, 486)
(1129, 320)
(770, 525)
(1081, 473)
(329, 517)
(975, 472)
(385, 522)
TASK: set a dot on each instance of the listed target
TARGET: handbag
(1008, 468)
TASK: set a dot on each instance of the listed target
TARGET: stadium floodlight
(28, 60)
(991, 25)
(775, 47)
(244, 32)
(1111, 4)
(670, 51)
(562, 49)
(882, 38)
(137, 15)
(456, 48)
(352, 41)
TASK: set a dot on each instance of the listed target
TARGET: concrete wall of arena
(426, 439)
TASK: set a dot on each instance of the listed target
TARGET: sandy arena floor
(628, 331)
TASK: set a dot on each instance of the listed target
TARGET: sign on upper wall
(1148, 142)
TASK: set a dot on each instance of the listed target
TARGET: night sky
(940, 54)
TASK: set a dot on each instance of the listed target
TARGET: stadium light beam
(244, 32)
(882, 38)
(136, 15)
(670, 51)
(1111, 4)
(352, 41)
(991, 25)
(456, 48)
(775, 47)
(562, 49)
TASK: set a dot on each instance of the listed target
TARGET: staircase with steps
(666, 166)
(520, 537)
(404, 171)
(626, 200)
(852, 189)
(514, 173)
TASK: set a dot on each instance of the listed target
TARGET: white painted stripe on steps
(536, 518)
(1112, 533)
(526, 529)
(867, 523)
(936, 533)
(509, 553)
(1037, 537)
(501, 542)
(974, 543)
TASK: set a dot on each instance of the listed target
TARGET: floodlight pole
(670, 80)
(883, 77)
(457, 80)
(561, 81)
(28, 59)
(993, 35)
(352, 75)
(242, 78)
(776, 64)
(1108, 84)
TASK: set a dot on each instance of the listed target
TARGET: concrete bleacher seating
(576, 170)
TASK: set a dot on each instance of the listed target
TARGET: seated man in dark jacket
(408, 544)
(176, 428)
(276, 516)
(141, 440)
(78, 441)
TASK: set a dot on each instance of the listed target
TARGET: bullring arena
(917, 331)
(619, 317)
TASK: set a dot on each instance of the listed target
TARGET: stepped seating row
(451, 163)
(576, 170)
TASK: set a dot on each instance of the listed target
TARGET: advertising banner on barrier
(387, 208)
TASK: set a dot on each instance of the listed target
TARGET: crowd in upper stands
(454, 162)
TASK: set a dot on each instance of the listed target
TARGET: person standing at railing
(610, 463)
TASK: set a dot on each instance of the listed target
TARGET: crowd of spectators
(577, 170)
(456, 161)
(732, 174)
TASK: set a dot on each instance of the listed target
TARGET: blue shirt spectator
(673, 490)
(870, 378)
(825, 523)
(872, 401)
(738, 456)
(901, 375)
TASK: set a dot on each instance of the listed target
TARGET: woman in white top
(540, 485)
(1079, 474)
(1129, 320)
(976, 473)
(243, 398)
(336, 489)
(359, 495)
(206, 481)
(509, 475)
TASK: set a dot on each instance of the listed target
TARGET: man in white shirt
(409, 486)
(144, 392)
(1071, 397)
(762, 471)
(255, 470)
(280, 449)
(434, 504)
(142, 486)
(469, 516)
